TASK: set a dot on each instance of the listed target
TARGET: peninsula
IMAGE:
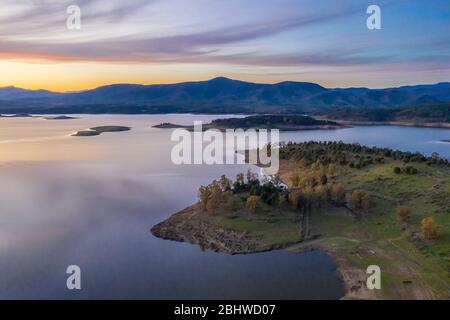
(362, 205)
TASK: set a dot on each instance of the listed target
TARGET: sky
(266, 41)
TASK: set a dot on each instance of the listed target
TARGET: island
(280, 122)
(26, 115)
(19, 115)
(62, 117)
(95, 131)
(362, 205)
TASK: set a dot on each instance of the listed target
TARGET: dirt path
(433, 274)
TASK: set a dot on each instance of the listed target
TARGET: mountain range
(219, 95)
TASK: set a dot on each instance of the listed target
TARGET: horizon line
(227, 78)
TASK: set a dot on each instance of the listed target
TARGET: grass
(426, 193)
(273, 230)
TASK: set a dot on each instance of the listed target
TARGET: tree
(435, 155)
(411, 170)
(239, 183)
(355, 200)
(251, 176)
(360, 200)
(429, 228)
(216, 196)
(225, 183)
(366, 202)
(214, 201)
(252, 203)
(240, 178)
(204, 194)
(403, 212)
(338, 194)
(215, 187)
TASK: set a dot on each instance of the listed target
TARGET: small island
(19, 115)
(26, 115)
(95, 131)
(362, 205)
(62, 117)
(280, 122)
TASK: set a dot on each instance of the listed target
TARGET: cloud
(200, 46)
(42, 17)
(29, 33)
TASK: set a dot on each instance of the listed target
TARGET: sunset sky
(166, 41)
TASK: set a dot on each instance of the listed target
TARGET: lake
(91, 201)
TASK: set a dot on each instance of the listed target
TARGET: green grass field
(379, 237)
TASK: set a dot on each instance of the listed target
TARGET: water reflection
(91, 202)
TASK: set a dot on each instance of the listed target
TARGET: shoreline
(190, 226)
(352, 254)
(283, 129)
(260, 122)
(344, 123)
(197, 228)
(439, 125)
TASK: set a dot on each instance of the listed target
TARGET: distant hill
(219, 95)
(14, 93)
(432, 113)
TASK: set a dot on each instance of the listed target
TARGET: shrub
(429, 228)
(411, 170)
(338, 194)
(234, 203)
(252, 203)
(403, 212)
(360, 200)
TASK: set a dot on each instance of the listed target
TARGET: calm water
(91, 202)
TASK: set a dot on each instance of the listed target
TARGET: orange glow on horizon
(76, 76)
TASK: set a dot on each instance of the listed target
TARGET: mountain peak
(221, 79)
(10, 88)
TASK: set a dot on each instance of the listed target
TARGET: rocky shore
(193, 226)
